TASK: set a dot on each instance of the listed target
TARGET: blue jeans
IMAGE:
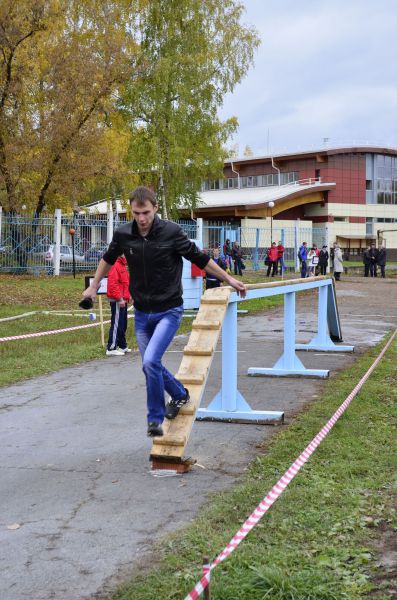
(154, 332)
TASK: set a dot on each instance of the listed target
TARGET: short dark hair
(141, 194)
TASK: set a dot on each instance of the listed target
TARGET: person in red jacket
(272, 255)
(119, 295)
(280, 254)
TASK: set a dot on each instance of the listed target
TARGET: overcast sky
(325, 69)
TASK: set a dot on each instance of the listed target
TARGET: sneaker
(125, 350)
(173, 407)
(154, 429)
(114, 353)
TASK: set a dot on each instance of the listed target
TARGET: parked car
(66, 254)
(94, 254)
(39, 251)
(4, 249)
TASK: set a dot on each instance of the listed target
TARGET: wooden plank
(201, 338)
(212, 301)
(197, 351)
(206, 325)
(286, 282)
(188, 409)
(171, 440)
(193, 372)
(186, 379)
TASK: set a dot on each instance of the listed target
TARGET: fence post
(283, 267)
(57, 239)
(255, 262)
(200, 232)
(328, 248)
(109, 230)
(296, 241)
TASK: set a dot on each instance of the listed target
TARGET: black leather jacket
(155, 262)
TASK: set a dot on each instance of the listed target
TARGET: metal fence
(255, 242)
(46, 245)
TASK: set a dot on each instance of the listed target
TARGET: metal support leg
(229, 404)
(289, 364)
(322, 341)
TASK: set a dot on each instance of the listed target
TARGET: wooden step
(206, 325)
(170, 440)
(221, 301)
(194, 379)
(187, 410)
(197, 351)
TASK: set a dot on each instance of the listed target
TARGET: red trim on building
(356, 219)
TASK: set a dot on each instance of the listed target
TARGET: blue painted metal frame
(229, 404)
(289, 364)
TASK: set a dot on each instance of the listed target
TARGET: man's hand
(213, 269)
(91, 291)
(101, 272)
(238, 286)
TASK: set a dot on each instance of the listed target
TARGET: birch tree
(192, 52)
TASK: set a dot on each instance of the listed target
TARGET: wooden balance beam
(167, 451)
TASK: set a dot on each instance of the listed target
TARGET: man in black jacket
(370, 260)
(154, 248)
(323, 260)
(382, 260)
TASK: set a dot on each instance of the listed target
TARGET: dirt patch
(385, 546)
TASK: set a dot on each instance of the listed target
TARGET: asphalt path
(79, 506)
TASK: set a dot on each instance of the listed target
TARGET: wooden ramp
(193, 372)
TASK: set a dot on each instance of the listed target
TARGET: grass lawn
(21, 359)
(319, 540)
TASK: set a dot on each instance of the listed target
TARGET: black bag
(267, 261)
(86, 303)
(243, 265)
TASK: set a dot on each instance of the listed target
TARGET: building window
(368, 184)
(231, 183)
(250, 181)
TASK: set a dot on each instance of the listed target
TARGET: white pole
(328, 248)
(101, 321)
(57, 239)
(109, 231)
(296, 241)
(200, 232)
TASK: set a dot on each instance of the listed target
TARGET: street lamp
(271, 206)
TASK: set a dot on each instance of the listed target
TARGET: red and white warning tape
(40, 333)
(282, 483)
